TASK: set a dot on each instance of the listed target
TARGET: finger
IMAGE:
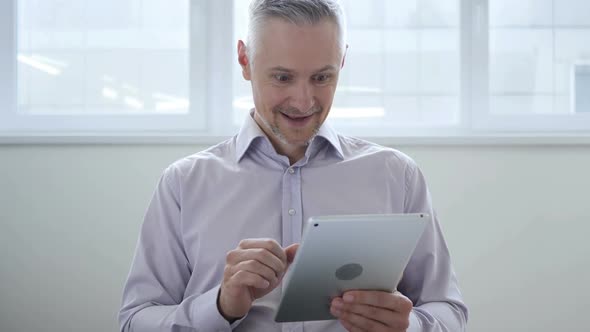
(351, 328)
(261, 255)
(362, 323)
(255, 267)
(290, 252)
(394, 301)
(337, 310)
(385, 316)
(246, 278)
(268, 244)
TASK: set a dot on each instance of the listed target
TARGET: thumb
(290, 251)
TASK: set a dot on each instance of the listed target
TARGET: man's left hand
(373, 311)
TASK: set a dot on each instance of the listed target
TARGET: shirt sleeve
(153, 296)
(429, 280)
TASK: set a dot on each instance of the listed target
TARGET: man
(224, 223)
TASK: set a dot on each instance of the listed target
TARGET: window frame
(75, 126)
(213, 101)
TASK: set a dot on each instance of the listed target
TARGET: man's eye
(282, 78)
(322, 78)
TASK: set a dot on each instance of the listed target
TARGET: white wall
(516, 220)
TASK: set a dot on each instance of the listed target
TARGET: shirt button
(291, 171)
(291, 212)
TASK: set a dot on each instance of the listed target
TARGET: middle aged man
(224, 223)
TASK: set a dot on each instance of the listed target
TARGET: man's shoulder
(354, 147)
(220, 154)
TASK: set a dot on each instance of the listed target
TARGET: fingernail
(337, 304)
(266, 284)
(348, 298)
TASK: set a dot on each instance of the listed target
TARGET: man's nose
(303, 97)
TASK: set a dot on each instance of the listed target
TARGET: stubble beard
(276, 131)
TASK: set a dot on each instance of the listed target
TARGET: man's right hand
(252, 270)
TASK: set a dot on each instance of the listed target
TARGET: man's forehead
(288, 47)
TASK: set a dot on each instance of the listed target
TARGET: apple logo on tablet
(349, 271)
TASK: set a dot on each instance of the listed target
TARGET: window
(414, 68)
(537, 51)
(84, 66)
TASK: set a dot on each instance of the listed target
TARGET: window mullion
(7, 62)
(220, 52)
(198, 44)
(479, 63)
(466, 63)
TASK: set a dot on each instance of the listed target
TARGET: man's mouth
(297, 116)
(297, 120)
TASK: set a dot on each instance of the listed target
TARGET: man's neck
(291, 151)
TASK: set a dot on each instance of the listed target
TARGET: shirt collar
(328, 133)
(250, 131)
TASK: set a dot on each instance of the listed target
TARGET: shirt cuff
(206, 315)
(415, 323)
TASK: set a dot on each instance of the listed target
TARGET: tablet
(348, 252)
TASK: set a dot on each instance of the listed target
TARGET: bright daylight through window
(414, 68)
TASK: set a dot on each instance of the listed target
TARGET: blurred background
(490, 97)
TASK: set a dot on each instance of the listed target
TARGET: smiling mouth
(297, 121)
(297, 117)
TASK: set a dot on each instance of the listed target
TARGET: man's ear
(243, 60)
(344, 57)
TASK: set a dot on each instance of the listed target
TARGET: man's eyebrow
(326, 68)
(287, 70)
(280, 68)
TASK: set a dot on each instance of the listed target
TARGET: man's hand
(374, 311)
(252, 270)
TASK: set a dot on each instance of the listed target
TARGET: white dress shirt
(206, 203)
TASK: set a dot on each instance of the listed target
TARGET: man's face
(294, 72)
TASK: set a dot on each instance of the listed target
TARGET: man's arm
(153, 298)
(429, 280)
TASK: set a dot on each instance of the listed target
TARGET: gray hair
(299, 12)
